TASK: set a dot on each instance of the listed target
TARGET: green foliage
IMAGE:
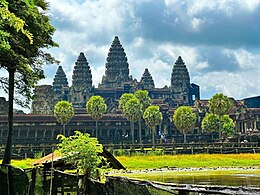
(227, 125)
(63, 112)
(152, 116)
(13, 21)
(96, 107)
(24, 35)
(219, 104)
(81, 150)
(184, 119)
(133, 110)
(19, 57)
(144, 99)
(210, 123)
(123, 99)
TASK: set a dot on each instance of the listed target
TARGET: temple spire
(180, 81)
(60, 81)
(117, 67)
(81, 82)
(147, 80)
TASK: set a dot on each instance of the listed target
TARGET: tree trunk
(64, 130)
(86, 186)
(184, 138)
(140, 131)
(8, 147)
(96, 129)
(132, 132)
(219, 128)
(153, 131)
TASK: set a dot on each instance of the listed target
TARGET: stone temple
(41, 127)
(115, 82)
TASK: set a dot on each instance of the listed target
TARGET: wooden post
(33, 177)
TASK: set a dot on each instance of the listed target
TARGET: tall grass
(185, 161)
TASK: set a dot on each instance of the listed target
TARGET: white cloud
(243, 58)
(196, 23)
(239, 85)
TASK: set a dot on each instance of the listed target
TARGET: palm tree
(96, 107)
(184, 119)
(152, 117)
(145, 101)
(63, 111)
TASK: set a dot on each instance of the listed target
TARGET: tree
(227, 125)
(123, 99)
(153, 117)
(96, 107)
(21, 57)
(184, 119)
(210, 123)
(220, 105)
(82, 151)
(133, 112)
(63, 112)
(145, 101)
(13, 21)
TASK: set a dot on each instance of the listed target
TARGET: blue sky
(219, 40)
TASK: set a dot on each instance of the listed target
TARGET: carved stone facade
(81, 88)
(45, 100)
(117, 81)
(117, 67)
(3, 106)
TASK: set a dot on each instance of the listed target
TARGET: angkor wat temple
(115, 82)
(41, 125)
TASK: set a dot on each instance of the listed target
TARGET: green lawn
(185, 161)
(139, 162)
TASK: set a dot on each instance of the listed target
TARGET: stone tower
(44, 100)
(81, 88)
(180, 81)
(117, 67)
(146, 81)
(60, 84)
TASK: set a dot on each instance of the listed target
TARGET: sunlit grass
(24, 163)
(185, 161)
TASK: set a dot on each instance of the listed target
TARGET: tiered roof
(117, 67)
(147, 80)
(60, 80)
(82, 74)
(180, 80)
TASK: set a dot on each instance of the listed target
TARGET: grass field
(185, 161)
(139, 162)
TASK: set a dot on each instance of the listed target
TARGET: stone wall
(3, 106)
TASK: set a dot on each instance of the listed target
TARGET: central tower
(117, 67)
(180, 81)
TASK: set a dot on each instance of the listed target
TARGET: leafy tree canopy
(63, 111)
(219, 104)
(210, 123)
(13, 21)
(81, 150)
(227, 125)
(24, 35)
(123, 99)
(145, 100)
(133, 109)
(96, 107)
(184, 119)
(152, 116)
